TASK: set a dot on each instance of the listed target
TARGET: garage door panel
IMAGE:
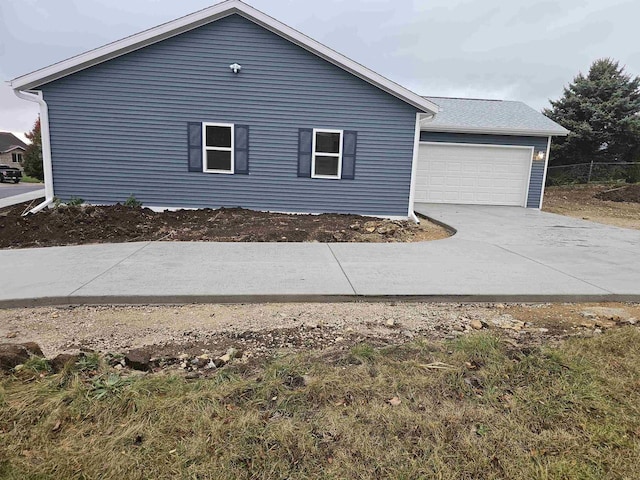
(472, 174)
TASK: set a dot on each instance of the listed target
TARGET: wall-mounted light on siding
(540, 155)
(235, 68)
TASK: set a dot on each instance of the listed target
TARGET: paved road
(498, 254)
(11, 189)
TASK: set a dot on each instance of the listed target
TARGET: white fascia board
(496, 131)
(203, 17)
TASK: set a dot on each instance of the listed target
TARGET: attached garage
(483, 152)
(473, 174)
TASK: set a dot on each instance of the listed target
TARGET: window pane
(327, 142)
(326, 166)
(217, 160)
(219, 137)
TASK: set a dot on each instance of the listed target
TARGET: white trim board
(175, 209)
(495, 131)
(203, 17)
(544, 176)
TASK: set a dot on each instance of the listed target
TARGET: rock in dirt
(476, 324)
(59, 362)
(14, 354)
(606, 323)
(227, 357)
(138, 360)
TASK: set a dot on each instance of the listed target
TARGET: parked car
(8, 173)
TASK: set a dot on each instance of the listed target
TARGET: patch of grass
(37, 365)
(363, 353)
(473, 408)
(28, 179)
(91, 362)
(75, 201)
(132, 201)
(108, 385)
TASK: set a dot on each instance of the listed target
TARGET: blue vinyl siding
(539, 144)
(120, 127)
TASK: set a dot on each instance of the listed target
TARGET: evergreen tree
(602, 111)
(32, 163)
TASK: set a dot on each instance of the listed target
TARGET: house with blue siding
(228, 107)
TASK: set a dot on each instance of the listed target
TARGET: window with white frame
(16, 157)
(217, 147)
(327, 154)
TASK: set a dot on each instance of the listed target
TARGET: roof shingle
(8, 141)
(490, 116)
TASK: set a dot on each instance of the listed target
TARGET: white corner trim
(206, 148)
(526, 195)
(324, 154)
(202, 17)
(414, 167)
(544, 176)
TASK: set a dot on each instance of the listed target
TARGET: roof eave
(176, 27)
(14, 147)
(496, 131)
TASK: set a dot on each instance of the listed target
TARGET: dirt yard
(76, 225)
(267, 329)
(609, 204)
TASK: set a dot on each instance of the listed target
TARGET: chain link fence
(593, 172)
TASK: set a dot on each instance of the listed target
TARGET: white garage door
(472, 174)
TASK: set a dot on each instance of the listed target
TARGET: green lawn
(28, 179)
(487, 411)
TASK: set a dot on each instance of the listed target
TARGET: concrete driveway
(11, 189)
(12, 194)
(498, 254)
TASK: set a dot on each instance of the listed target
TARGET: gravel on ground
(264, 330)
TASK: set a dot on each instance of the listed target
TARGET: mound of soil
(630, 193)
(75, 225)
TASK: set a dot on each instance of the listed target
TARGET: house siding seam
(539, 144)
(120, 128)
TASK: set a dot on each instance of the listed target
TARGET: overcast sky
(510, 49)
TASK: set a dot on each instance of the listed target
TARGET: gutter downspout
(46, 146)
(414, 166)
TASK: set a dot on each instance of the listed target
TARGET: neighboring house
(11, 150)
(229, 107)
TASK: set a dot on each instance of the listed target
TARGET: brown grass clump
(472, 408)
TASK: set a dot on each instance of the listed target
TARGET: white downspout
(46, 146)
(414, 165)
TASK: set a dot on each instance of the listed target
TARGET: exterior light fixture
(540, 155)
(235, 68)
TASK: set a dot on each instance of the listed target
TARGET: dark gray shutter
(241, 149)
(349, 143)
(194, 142)
(305, 144)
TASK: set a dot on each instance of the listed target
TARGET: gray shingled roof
(8, 141)
(490, 116)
